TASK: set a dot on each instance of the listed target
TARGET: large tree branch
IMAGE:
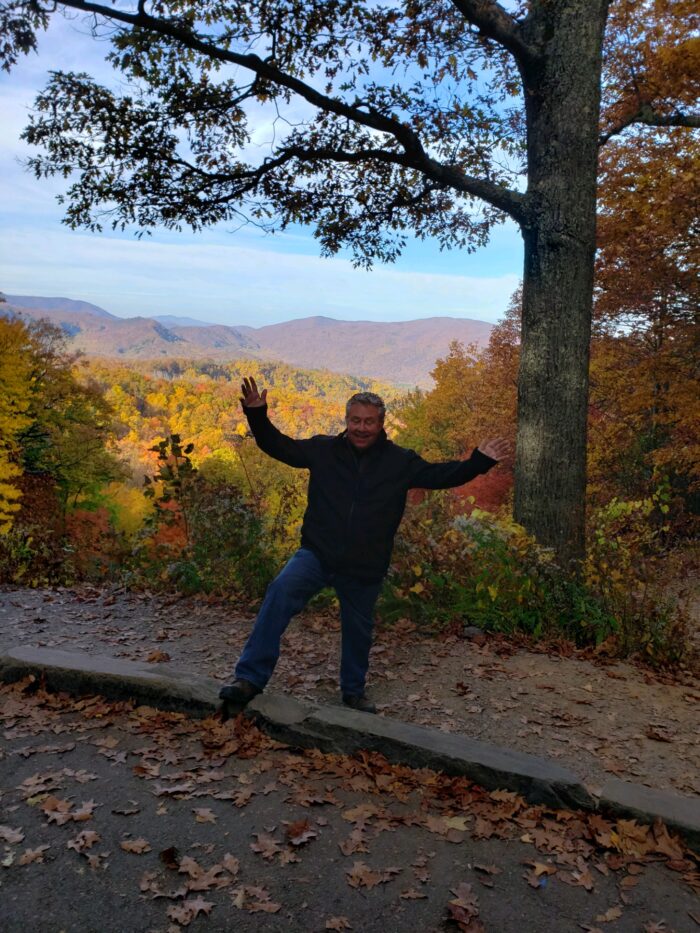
(493, 21)
(647, 116)
(414, 155)
(511, 202)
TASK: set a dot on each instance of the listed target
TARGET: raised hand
(251, 398)
(497, 448)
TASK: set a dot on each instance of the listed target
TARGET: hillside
(403, 353)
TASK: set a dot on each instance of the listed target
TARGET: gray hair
(366, 398)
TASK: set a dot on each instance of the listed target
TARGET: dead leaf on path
(581, 879)
(361, 813)
(95, 859)
(362, 876)
(420, 869)
(186, 912)
(268, 907)
(665, 843)
(613, 913)
(299, 832)
(242, 900)
(84, 840)
(204, 815)
(242, 797)
(265, 846)
(231, 864)
(658, 927)
(177, 790)
(127, 811)
(188, 866)
(356, 842)
(56, 810)
(464, 909)
(287, 856)
(27, 751)
(155, 657)
(135, 846)
(483, 829)
(33, 855)
(629, 881)
(488, 869)
(632, 839)
(412, 895)
(7, 834)
(338, 923)
(84, 811)
(538, 874)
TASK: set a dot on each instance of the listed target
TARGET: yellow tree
(15, 399)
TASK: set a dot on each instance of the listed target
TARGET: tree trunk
(562, 104)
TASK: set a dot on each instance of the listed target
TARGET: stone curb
(79, 672)
(340, 730)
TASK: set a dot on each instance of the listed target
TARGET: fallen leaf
(33, 855)
(412, 895)
(231, 864)
(338, 923)
(613, 913)
(265, 846)
(7, 834)
(299, 833)
(155, 657)
(84, 840)
(136, 846)
(204, 815)
(464, 909)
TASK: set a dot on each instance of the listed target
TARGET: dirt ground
(598, 718)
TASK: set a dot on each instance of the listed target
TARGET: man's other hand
(497, 448)
(251, 398)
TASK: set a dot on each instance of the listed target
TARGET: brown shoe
(239, 692)
(359, 702)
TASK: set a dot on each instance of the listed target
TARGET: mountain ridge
(402, 352)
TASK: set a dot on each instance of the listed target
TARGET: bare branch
(647, 116)
(496, 23)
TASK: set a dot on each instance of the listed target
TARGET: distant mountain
(173, 319)
(56, 304)
(403, 353)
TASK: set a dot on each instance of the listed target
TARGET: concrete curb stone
(646, 803)
(336, 729)
(341, 730)
(79, 672)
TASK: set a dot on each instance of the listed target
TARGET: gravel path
(596, 718)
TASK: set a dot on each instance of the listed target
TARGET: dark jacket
(356, 500)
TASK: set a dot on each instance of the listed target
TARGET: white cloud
(234, 284)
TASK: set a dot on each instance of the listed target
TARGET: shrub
(485, 570)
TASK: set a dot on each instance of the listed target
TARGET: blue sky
(242, 277)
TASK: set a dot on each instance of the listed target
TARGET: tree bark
(562, 98)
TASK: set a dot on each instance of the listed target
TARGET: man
(357, 495)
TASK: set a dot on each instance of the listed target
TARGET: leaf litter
(577, 847)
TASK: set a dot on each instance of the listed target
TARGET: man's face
(364, 425)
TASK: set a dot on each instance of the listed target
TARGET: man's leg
(357, 601)
(289, 592)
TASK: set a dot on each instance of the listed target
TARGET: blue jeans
(287, 595)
